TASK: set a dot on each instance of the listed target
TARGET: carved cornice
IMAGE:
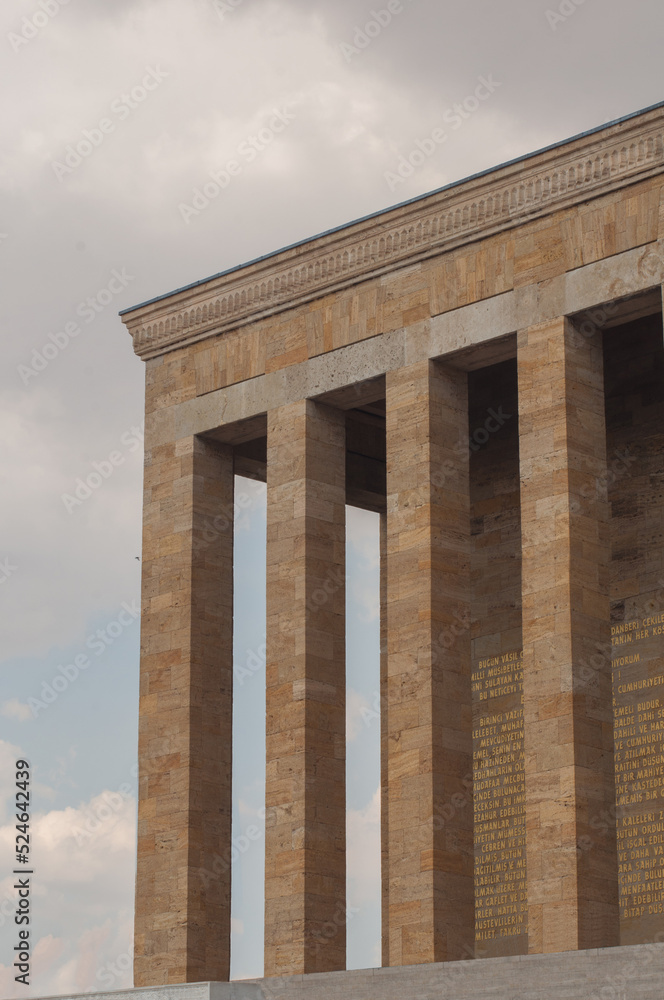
(588, 167)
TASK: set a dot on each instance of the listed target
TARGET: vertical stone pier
(305, 864)
(182, 927)
(429, 728)
(571, 856)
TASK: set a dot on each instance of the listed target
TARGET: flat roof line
(390, 208)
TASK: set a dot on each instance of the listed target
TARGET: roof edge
(390, 208)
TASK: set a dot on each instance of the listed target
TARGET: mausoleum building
(484, 367)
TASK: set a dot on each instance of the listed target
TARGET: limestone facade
(484, 368)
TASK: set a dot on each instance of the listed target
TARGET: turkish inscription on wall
(499, 805)
(638, 703)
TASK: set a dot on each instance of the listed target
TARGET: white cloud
(15, 709)
(248, 812)
(82, 892)
(360, 713)
(363, 858)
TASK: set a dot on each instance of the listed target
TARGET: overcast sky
(161, 95)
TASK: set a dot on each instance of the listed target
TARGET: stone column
(182, 931)
(429, 724)
(570, 797)
(305, 862)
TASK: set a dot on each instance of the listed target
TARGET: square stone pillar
(571, 850)
(429, 716)
(305, 851)
(182, 930)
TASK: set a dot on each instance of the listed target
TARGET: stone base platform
(635, 972)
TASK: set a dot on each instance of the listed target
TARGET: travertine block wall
(572, 892)
(501, 906)
(429, 749)
(305, 863)
(634, 365)
(497, 269)
(182, 930)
